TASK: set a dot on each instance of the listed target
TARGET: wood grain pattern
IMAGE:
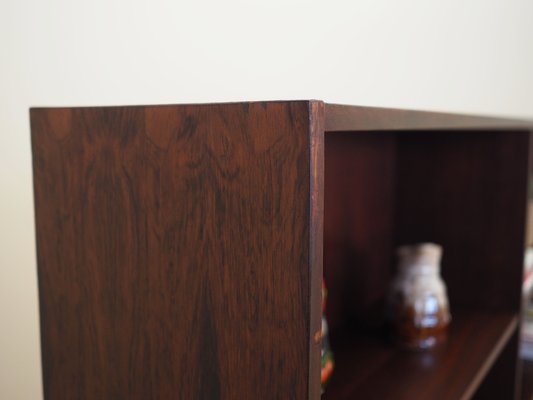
(180, 248)
(316, 250)
(168, 239)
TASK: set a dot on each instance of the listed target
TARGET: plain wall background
(471, 56)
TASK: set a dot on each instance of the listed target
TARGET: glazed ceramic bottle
(418, 303)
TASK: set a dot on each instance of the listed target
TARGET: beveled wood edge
(356, 118)
(199, 104)
(316, 228)
(491, 358)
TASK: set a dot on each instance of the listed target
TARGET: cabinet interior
(463, 190)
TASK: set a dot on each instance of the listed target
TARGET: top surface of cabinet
(345, 118)
(341, 117)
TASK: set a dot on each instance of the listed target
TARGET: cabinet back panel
(464, 190)
(168, 238)
(358, 220)
(467, 191)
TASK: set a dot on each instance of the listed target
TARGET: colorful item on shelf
(418, 304)
(326, 355)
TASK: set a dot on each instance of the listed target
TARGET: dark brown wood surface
(358, 224)
(368, 367)
(316, 248)
(467, 192)
(527, 382)
(458, 190)
(180, 247)
(355, 118)
(504, 379)
(464, 190)
(173, 250)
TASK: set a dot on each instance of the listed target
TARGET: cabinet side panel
(173, 251)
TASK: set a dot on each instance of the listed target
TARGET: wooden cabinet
(181, 248)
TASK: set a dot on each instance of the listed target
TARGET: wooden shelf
(368, 367)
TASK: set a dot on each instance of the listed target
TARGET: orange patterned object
(326, 354)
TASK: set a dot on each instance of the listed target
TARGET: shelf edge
(491, 359)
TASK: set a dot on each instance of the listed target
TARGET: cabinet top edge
(341, 117)
(199, 104)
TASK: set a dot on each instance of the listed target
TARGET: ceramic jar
(418, 304)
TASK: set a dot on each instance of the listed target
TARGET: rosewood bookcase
(181, 248)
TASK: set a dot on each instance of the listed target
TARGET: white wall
(453, 55)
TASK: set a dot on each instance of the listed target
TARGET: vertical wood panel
(316, 248)
(168, 238)
(358, 221)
